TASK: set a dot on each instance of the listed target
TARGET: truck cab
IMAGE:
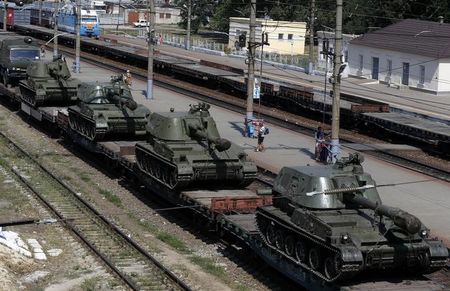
(16, 53)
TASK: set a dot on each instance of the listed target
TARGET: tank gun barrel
(401, 218)
(221, 144)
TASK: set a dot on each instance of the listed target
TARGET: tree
(201, 11)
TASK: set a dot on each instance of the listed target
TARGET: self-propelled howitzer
(185, 148)
(49, 83)
(108, 109)
(331, 221)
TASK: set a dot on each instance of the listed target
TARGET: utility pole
(55, 30)
(40, 12)
(118, 18)
(311, 38)
(5, 17)
(251, 63)
(188, 32)
(151, 31)
(337, 70)
(77, 42)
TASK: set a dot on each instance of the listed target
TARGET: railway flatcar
(89, 25)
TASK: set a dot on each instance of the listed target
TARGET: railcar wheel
(300, 251)
(270, 234)
(289, 246)
(314, 259)
(332, 266)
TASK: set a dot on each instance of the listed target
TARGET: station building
(410, 53)
(284, 37)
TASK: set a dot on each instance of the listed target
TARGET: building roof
(419, 37)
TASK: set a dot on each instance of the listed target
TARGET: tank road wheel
(314, 259)
(279, 239)
(289, 246)
(424, 262)
(172, 178)
(332, 266)
(300, 251)
(270, 234)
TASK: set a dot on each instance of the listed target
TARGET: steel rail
(73, 227)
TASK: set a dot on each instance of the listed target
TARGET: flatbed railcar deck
(276, 92)
(231, 212)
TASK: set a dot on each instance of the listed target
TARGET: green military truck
(16, 53)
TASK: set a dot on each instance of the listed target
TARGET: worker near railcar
(320, 138)
(127, 78)
(261, 136)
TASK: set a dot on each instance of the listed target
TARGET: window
(161, 15)
(389, 68)
(168, 15)
(422, 74)
(346, 56)
(290, 36)
(280, 36)
(361, 62)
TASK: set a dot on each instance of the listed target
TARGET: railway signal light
(242, 40)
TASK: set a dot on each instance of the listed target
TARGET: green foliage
(111, 197)
(201, 11)
(359, 16)
(173, 241)
(89, 284)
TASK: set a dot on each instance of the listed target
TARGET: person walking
(261, 135)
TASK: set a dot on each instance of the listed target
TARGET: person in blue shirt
(320, 138)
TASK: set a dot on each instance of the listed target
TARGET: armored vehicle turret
(331, 221)
(16, 53)
(108, 109)
(49, 83)
(185, 148)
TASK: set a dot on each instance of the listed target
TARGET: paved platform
(428, 199)
(436, 106)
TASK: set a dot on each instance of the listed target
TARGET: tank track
(85, 127)
(26, 96)
(304, 249)
(159, 169)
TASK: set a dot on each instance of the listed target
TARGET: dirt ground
(201, 262)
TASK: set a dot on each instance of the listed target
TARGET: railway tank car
(331, 221)
(49, 82)
(107, 109)
(185, 148)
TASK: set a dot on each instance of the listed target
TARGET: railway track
(237, 105)
(138, 269)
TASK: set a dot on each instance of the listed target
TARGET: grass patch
(163, 236)
(84, 177)
(89, 284)
(208, 265)
(111, 197)
(173, 241)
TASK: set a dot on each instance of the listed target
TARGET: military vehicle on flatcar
(108, 109)
(185, 148)
(16, 53)
(50, 83)
(331, 221)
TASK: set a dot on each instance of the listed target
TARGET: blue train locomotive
(89, 25)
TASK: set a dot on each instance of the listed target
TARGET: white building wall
(443, 77)
(417, 65)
